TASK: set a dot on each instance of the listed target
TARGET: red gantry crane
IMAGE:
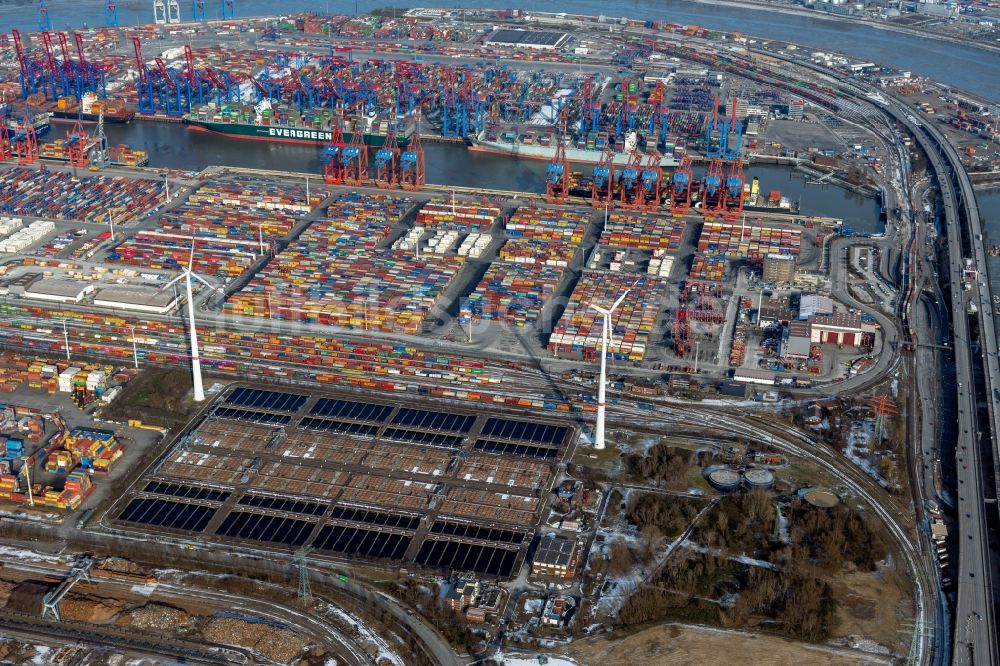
(557, 175)
(712, 194)
(77, 145)
(603, 180)
(733, 191)
(412, 170)
(387, 161)
(651, 179)
(6, 150)
(354, 158)
(630, 187)
(680, 188)
(25, 141)
(333, 171)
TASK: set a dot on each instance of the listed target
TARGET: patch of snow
(41, 652)
(742, 559)
(533, 605)
(782, 526)
(385, 652)
(31, 517)
(861, 436)
(532, 660)
(26, 555)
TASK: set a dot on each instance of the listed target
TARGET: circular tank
(758, 479)
(724, 479)
(820, 497)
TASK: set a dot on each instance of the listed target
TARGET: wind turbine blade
(204, 282)
(191, 255)
(619, 301)
(173, 282)
(600, 309)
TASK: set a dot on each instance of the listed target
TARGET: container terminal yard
(320, 405)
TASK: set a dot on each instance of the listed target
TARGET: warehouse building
(59, 291)
(555, 557)
(16, 286)
(545, 40)
(138, 299)
(812, 305)
(838, 329)
(754, 376)
(798, 342)
(775, 311)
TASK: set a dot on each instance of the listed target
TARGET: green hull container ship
(280, 126)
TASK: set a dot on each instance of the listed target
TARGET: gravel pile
(159, 617)
(120, 564)
(89, 609)
(5, 590)
(280, 645)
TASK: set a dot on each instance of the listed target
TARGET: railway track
(125, 638)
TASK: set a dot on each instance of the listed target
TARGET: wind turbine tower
(197, 386)
(602, 385)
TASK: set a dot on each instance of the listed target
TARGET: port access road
(975, 638)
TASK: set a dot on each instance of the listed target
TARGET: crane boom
(139, 62)
(19, 49)
(79, 48)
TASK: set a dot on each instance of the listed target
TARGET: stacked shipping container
(334, 275)
(748, 241)
(231, 224)
(58, 196)
(642, 231)
(578, 332)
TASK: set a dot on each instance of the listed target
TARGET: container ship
(39, 118)
(89, 110)
(120, 155)
(286, 125)
(755, 202)
(586, 149)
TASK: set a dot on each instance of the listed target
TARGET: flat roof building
(779, 268)
(547, 40)
(798, 343)
(837, 329)
(814, 304)
(60, 291)
(139, 299)
(754, 376)
(555, 556)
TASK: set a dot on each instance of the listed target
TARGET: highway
(975, 639)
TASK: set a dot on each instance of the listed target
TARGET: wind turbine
(602, 386)
(186, 275)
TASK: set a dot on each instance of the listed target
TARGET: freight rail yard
(349, 412)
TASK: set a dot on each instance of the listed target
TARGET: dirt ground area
(870, 605)
(157, 396)
(679, 645)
